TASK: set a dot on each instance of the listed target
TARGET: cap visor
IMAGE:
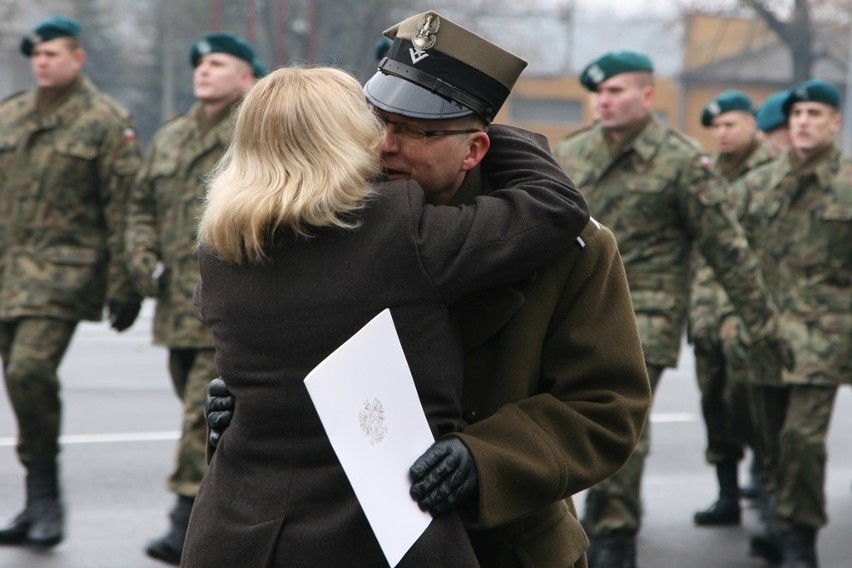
(392, 94)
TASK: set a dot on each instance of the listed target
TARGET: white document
(366, 399)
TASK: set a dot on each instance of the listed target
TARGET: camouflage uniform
(721, 352)
(800, 219)
(659, 195)
(64, 179)
(162, 219)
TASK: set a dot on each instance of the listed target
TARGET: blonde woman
(298, 249)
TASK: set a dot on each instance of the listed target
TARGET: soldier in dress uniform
(718, 335)
(798, 214)
(68, 154)
(160, 240)
(661, 197)
(555, 390)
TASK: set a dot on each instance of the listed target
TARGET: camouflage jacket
(801, 227)
(64, 179)
(163, 215)
(659, 195)
(709, 304)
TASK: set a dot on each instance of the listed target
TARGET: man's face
(733, 131)
(220, 78)
(624, 100)
(778, 140)
(438, 163)
(812, 127)
(56, 63)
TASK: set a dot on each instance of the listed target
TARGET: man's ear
(477, 146)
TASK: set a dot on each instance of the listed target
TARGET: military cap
(612, 64)
(436, 69)
(49, 29)
(770, 115)
(813, 90)
(226, 42)
(725, 101)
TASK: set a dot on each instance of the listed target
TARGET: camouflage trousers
(792, 426)
(614, 506)
(191, 371)
(721, 367)
(32, 349)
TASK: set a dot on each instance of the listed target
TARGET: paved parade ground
(121, 421)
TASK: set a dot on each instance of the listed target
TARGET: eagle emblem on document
(371, 418)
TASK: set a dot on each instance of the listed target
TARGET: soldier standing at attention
(161, 227)
(68, 154)
(798, 214)
(657, 192)
(718, 335)
(772, 127)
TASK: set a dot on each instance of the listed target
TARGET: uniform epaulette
(120, 111)
(580, 240)
(14, 96)
(686, 139)
(582, 130)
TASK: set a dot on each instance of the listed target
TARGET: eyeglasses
(416, 133)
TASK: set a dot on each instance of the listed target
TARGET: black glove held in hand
(219, 407)
(122, 314)
(443, 477)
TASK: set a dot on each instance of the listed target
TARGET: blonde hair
(304, 150)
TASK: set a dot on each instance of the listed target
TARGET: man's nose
(390, 141)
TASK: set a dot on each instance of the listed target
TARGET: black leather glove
(122, 314)
(218, 407)
(443, 477)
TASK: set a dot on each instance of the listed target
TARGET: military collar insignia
(427, 30)
(595, 73)
(713, 108)
(203, 47)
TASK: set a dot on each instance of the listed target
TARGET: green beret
(226, 42)
(612, 64)
(725, 102)
(814, 90)
(49, 29)
(380, 49)
(770, 115)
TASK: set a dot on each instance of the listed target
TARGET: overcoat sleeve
(587, 401)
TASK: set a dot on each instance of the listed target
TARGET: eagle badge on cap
(427, 28)
(204, 47)
(34, 38)
(714, 109)
(596, 74)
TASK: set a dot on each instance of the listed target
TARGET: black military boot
(45, 513)
(168, 547)
(41, 521)
(16, 531)
(613, 551)
(726, 509)
(799, 546)
(752, 489)
(766, 541)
